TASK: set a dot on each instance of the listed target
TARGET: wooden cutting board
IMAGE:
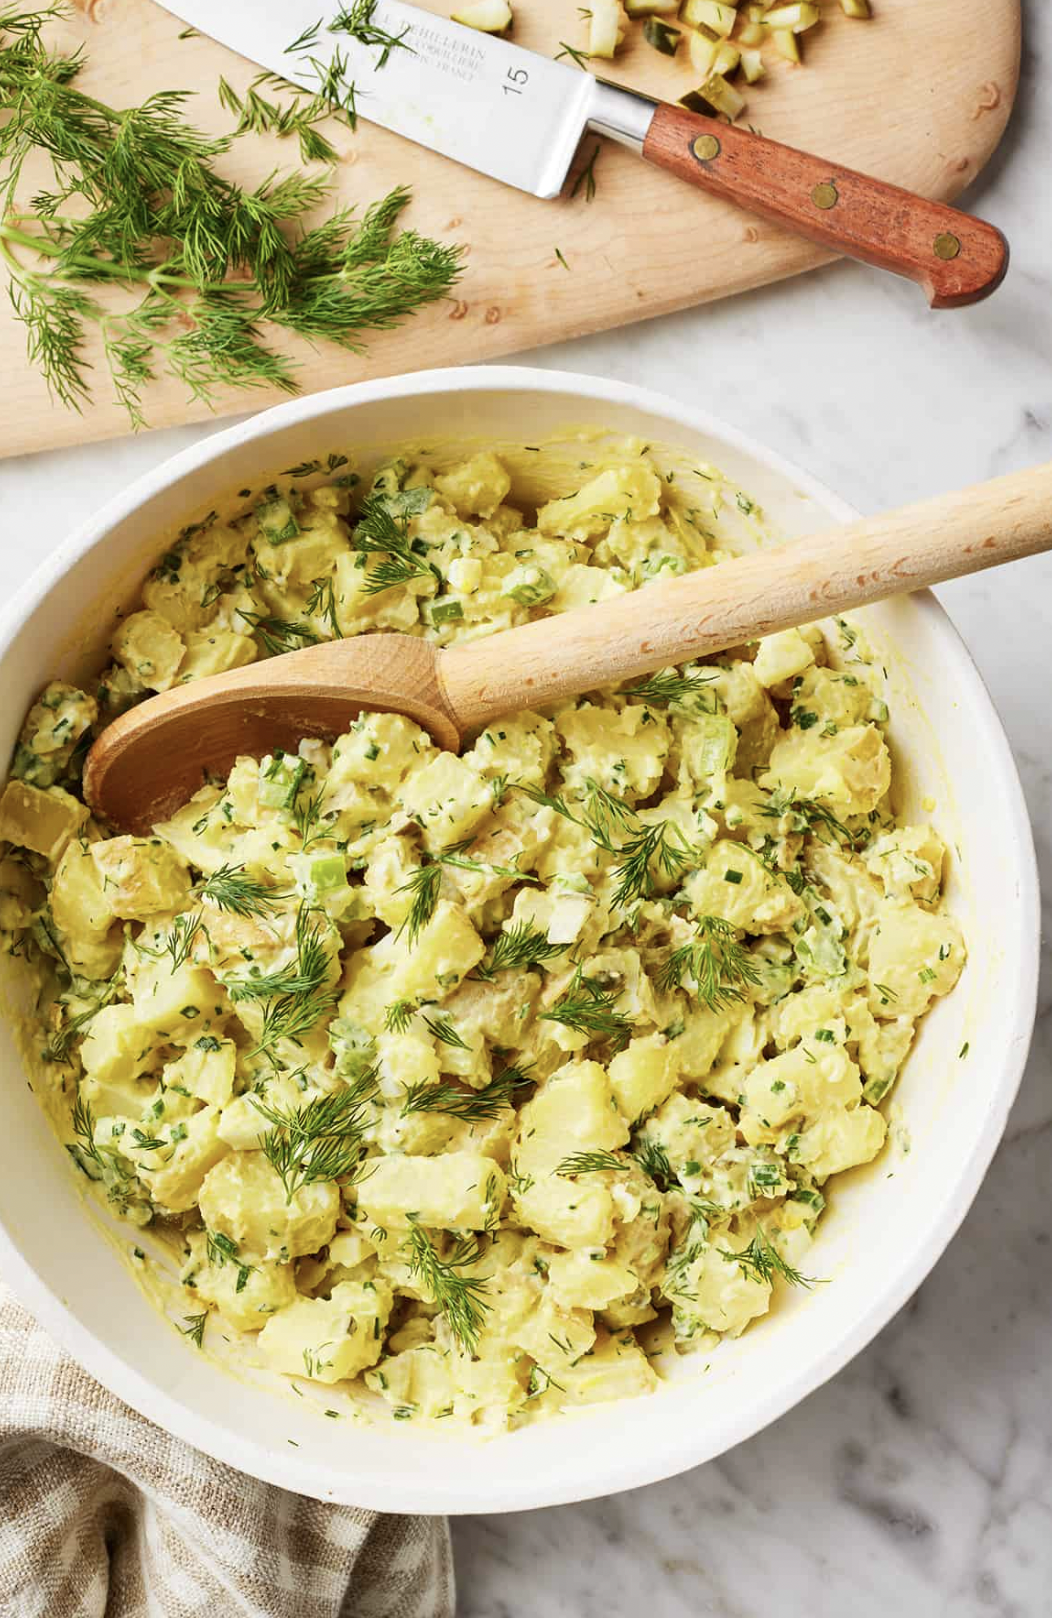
(920, 96)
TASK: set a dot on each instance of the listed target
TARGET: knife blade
(519, 117)
(492, 106)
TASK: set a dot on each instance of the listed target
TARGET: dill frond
(761, 1261)
(589, 1008)
(320, 1141)
(721, 968)
(519, 946)
(669, 686)
(460, 1298)
(231, 889)
(590, 1163)
(471, 1106)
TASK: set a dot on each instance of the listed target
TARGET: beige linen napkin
(103, 1515)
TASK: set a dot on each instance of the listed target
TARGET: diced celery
(715, 95)
(445, 612)
(277, 520)
(717, 742)
(529, 586)
(280, 777)
(319, 874)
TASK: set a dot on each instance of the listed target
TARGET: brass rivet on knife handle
(705, 148)
(954, 257)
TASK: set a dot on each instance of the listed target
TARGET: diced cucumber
(728, 59)
(717, 742)
(606, 28)
(445, 612)
(529, 586)
(702, 54)
(659, 35)
(277, 520)
(752, 66)
(715, 96)
(797, 18)
(714, 14)
(786, 43)
(280, 778)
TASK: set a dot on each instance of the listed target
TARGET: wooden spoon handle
(705, 612)
(955, 258)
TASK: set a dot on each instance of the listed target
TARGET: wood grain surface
(919, 96)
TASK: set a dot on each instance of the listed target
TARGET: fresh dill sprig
(300, 115)
(519, 946)
(181, 939)
(294, 997)
(654, 1161)
(83, 1149)
(671, 686)
(135, 202)
(471, 1106)
(589, 1009)
(546, 800)
(231, 889)
(720, 966)
(357, 22)
(307, 817)
(590, 1163)
(805, 815)
(194, 1327)
(459, 1297)
(320, 1141)
(380, 529)
(761, 1261)
(279, 634)
(58, 1046)
(585, 176)
(444, 1032)
(423, 884)
(322, 604)
(636, 846)
(399, 1015)
(576, 56)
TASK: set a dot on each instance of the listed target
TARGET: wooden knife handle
(955, 258)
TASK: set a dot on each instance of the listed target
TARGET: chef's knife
(519, 117)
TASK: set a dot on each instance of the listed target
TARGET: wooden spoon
(153, 758)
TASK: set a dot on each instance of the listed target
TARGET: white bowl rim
(290, 1471)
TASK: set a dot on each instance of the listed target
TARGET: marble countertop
(920, 1478)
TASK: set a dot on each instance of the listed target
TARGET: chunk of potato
(243, 1198)
(850, 771)
(40, 820)
(329, 1339)
(246, 1295)
(150, 649)
(140, 876)
(643, 1075)
(455, 1191)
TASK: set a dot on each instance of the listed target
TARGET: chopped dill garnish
(322, 604)
(181, 939)
(521, 945)
(83, 1150)
(320, 1141)
(719, 965)
(357, 21)
(546, 800)
(58, 1046)
(380, 529)
(444, 1032)
(460, 1298)
(471, 1106)
(231, 889)
(194, 1327)
(805, 815)
(135, 201)
(654, 1161)
(671, 686)
(585, 176)
(399, 1015)
(295, 996)
(591, 1163)
(761, 1261)
(589, 1009)
(637, 847)
(279, 634)
(307, 817)
(576, 56)
(423, 884)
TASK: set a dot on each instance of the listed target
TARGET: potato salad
(474, 1083)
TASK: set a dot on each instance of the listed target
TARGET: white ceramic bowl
(882, 1234)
